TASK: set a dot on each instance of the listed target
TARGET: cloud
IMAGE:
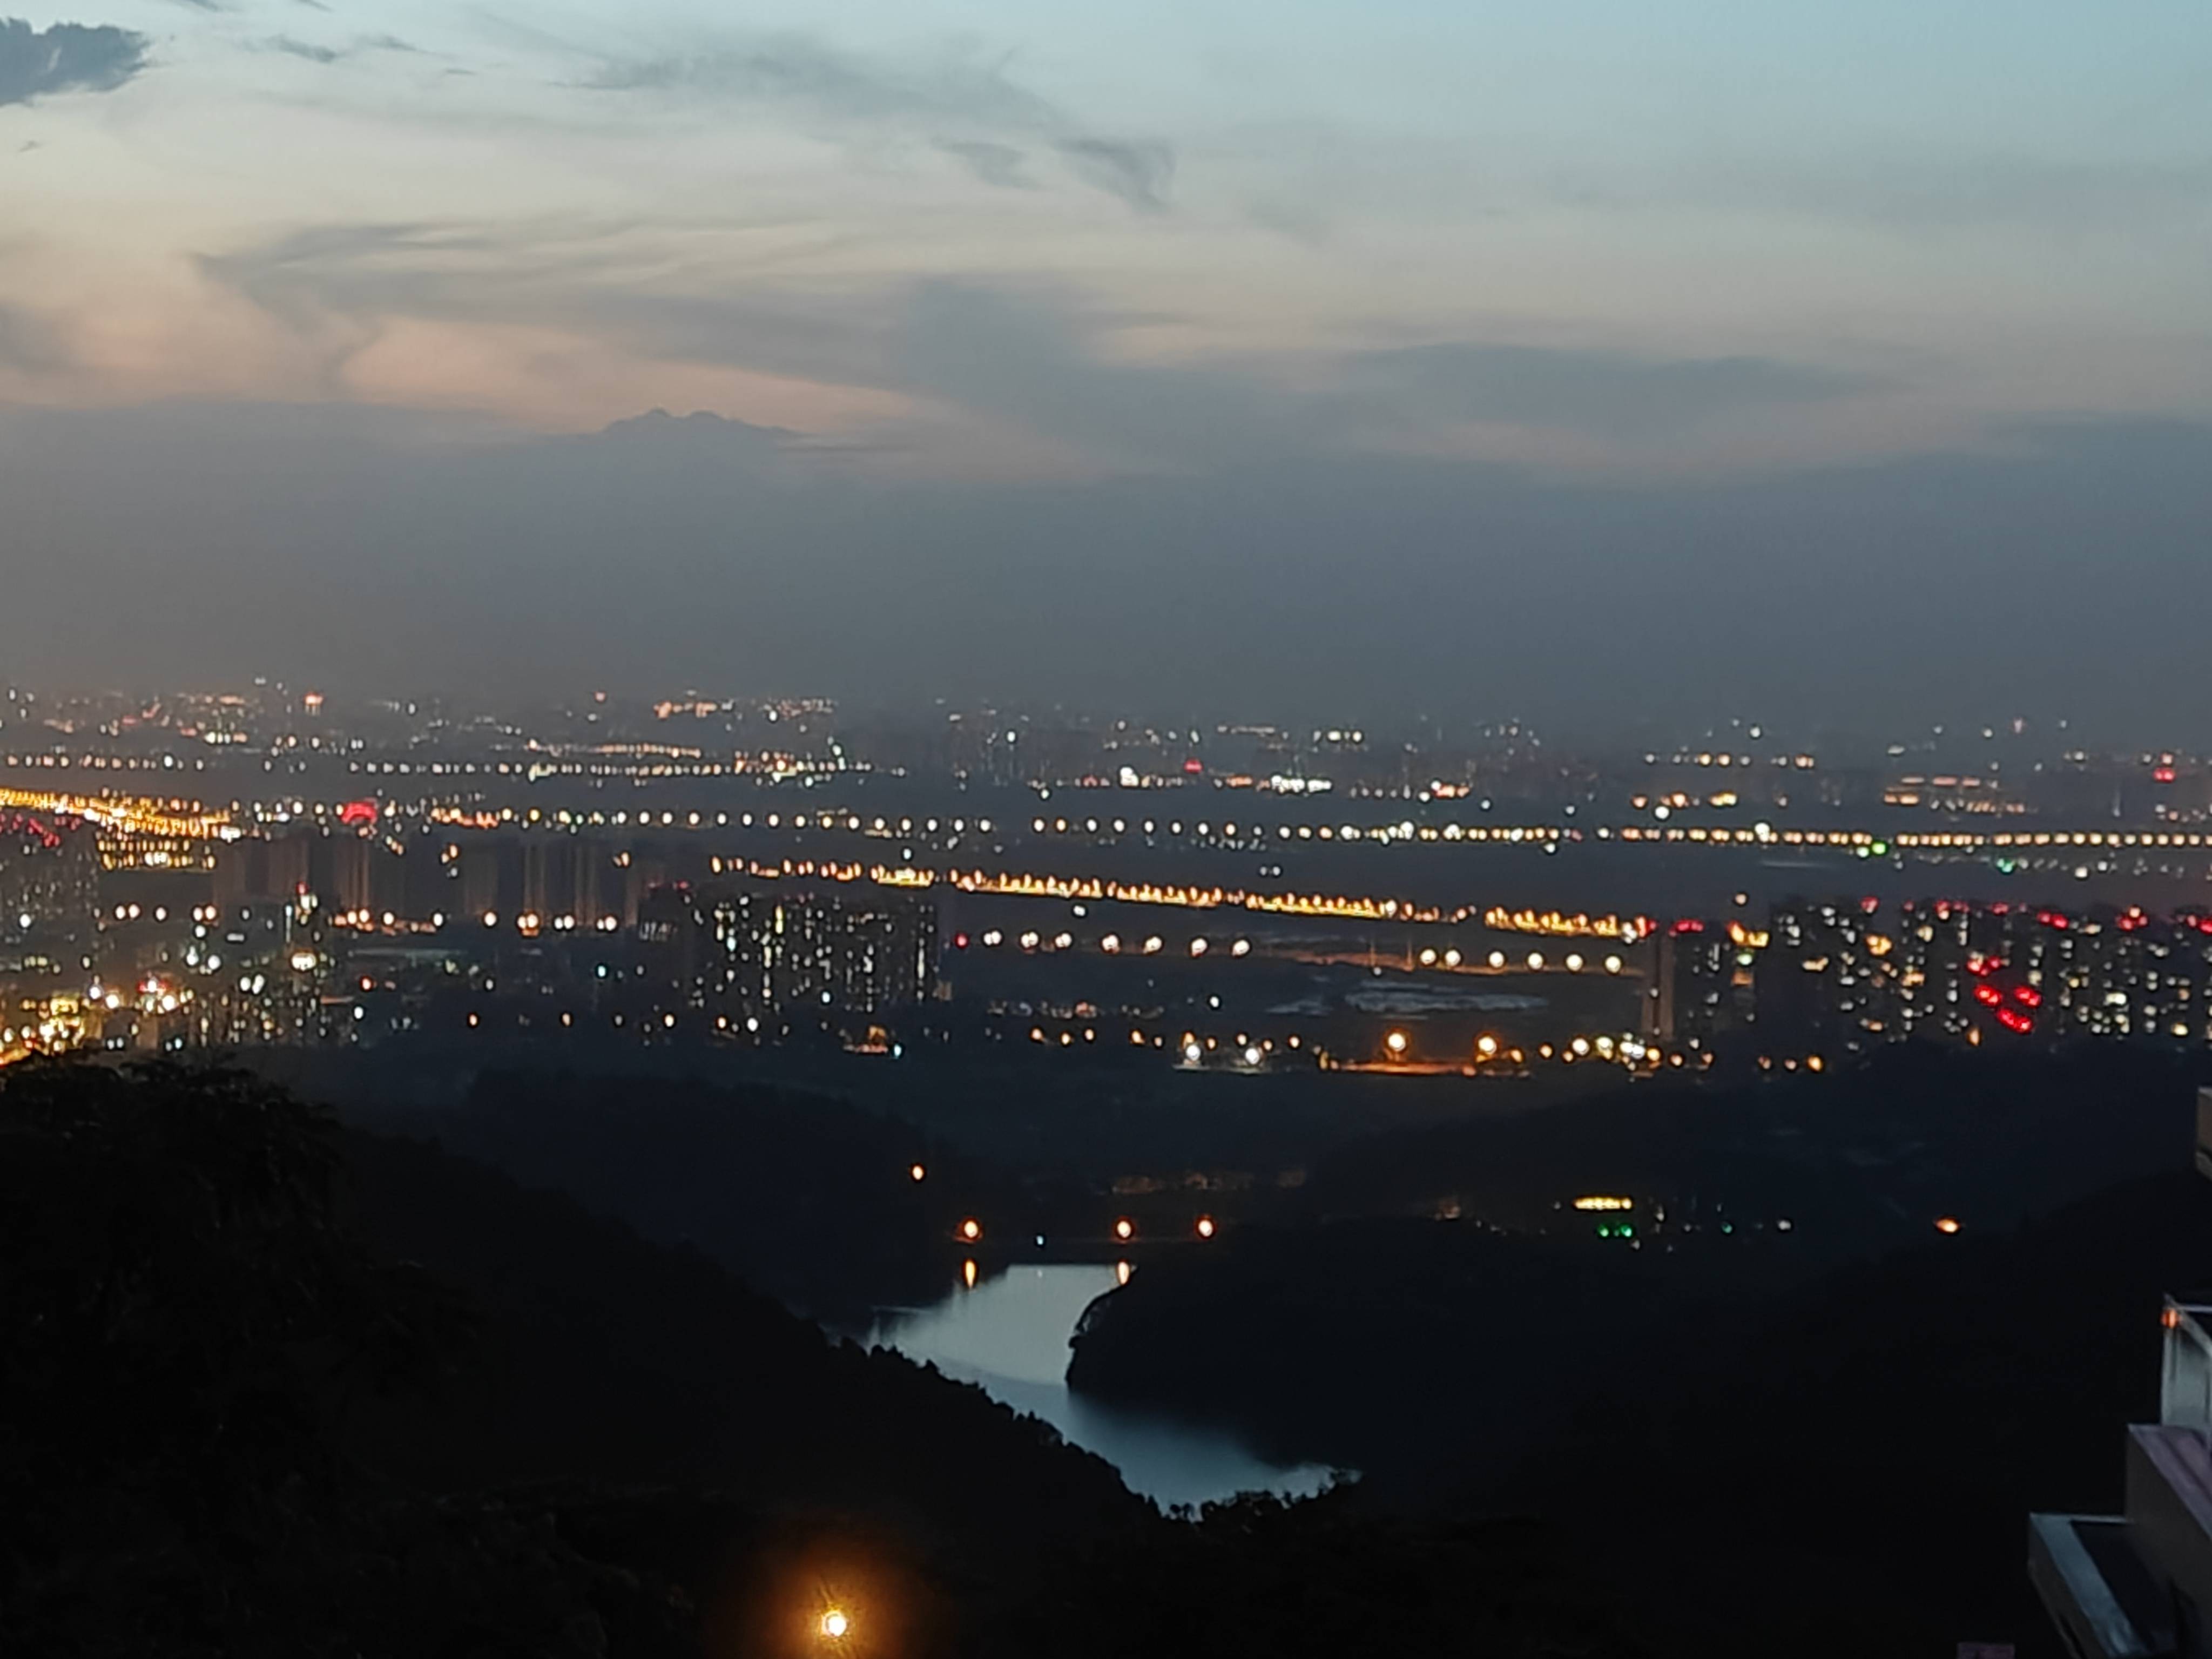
(1606, 392)
(338, 284)
(1033, 360)
(951, 87)
(1137, 172)
(309, 50)
(961, 101)
(994, 164)
(66, 58)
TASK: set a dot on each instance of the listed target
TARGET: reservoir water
(1008, 1335)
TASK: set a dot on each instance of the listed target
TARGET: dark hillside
(603, 1358)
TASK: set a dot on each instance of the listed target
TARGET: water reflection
(1009, 1336)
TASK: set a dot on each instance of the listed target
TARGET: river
(1008, 1335)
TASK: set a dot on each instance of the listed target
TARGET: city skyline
(972, 830)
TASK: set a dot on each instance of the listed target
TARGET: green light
(1881, 849)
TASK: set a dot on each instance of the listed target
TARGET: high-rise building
(2139, 1583)
(1826, 979)
(49, 885)
(806, 955)
(1839, 976)
(1693, 995)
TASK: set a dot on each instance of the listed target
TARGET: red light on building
(2163, 774)
(1688, 925)
(27, 823)
(960, 941)
(2027, 996)
(1988, 995)
(358, 813)
(1194, 766)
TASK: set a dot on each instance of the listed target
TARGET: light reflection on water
(1008, 1335)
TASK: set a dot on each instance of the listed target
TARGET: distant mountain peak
(658, 423)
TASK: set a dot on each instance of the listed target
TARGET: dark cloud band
(66, 58)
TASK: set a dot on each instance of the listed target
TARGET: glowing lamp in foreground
(1125, 1229)
(971, 1229)
(1396, 1042)
(917, 1172)
(1206, 1226)
(1949, 1224)
(835, 1625)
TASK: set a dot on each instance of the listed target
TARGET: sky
(1470, 358)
